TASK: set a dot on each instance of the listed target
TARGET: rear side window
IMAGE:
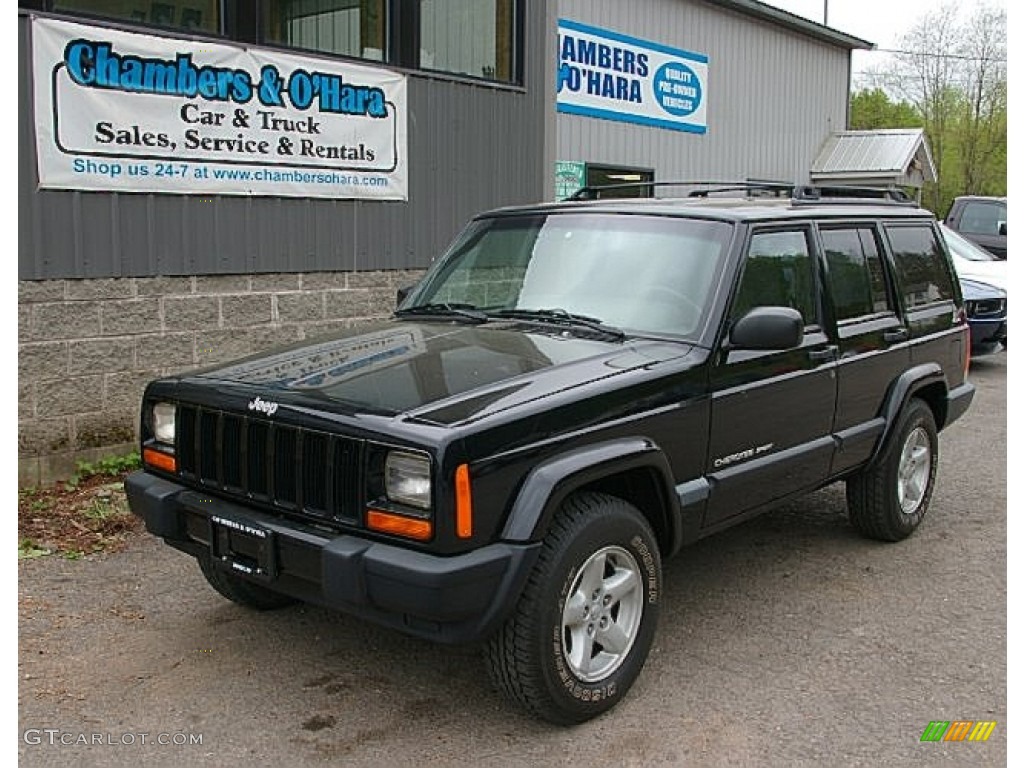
(982, 218)
(921, 267)
(855, 274)
(778, 273)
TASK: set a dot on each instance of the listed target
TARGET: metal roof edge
(795, 23)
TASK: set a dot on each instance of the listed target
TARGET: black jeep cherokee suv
(572, 393)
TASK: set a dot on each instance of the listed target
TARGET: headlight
(163, 423)
(407, 479)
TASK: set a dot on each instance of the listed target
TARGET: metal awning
(889, 156)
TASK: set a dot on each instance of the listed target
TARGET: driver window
(777, 273)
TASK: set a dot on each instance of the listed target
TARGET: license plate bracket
(244, 547)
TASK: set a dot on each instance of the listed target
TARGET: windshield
(964, 248)
(643, 274)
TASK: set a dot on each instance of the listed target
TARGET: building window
(638, 180)
(469, 37)
(185, 15)
(346, 27)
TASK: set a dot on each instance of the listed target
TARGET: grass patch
(88, 513)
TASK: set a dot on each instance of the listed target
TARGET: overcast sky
(881, 22)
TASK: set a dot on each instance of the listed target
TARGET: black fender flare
(901, 390)
(550, 483)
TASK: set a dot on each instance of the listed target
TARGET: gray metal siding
(471, 147)
(774, 95)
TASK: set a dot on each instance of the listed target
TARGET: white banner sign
(137, 113)
(606, 74)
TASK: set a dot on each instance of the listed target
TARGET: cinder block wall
(87, 348)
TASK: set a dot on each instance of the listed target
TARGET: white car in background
(973, 262)
(983, 281)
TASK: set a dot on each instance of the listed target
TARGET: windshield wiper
(561, 317)
(465, 311)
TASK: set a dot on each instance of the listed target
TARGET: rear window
(921, 267)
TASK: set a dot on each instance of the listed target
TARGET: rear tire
(888, 500)
(238, 590)
(584, 624)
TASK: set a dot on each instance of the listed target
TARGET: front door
(772, 410)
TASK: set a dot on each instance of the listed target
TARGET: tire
(549, 655)
(888, 500)
(238, 590)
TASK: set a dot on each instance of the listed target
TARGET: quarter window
(921, 267)
(778, 273)
(855, 274)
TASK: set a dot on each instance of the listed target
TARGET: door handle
(896, 334)
(825, 353)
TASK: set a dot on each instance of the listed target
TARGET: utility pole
(826, 13)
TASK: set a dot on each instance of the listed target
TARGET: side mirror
(1002, 228)
(404, 291)
(768, 328)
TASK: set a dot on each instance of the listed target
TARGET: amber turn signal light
(160, 460)
(399, 525)
(463, 503)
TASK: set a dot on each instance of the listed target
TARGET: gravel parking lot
(786, 641)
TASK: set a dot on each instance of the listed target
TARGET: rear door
(772, 410)
(872, 338)
(929, 294)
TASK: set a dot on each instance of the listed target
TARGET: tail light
(961, 318)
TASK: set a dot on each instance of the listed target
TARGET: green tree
(871, 109)
(952, 74)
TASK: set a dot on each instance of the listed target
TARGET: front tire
(584, 624)
(888, 500)
(238, 590)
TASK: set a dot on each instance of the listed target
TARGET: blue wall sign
(609, 75)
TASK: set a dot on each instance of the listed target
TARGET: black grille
(291, 469)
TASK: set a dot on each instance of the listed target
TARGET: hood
(439, 372)
(991, 272)
(975, 291)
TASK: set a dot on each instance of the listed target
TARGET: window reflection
(471, 37)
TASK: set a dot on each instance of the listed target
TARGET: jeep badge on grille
(265, 406)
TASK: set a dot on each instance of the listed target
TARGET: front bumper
(987, 335)
(457, 599)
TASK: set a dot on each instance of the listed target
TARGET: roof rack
(810, 194)
(799, 194)
(593, 192)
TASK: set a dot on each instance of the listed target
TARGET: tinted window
(920, 265)
(778, 273)
(855, 272)
(983, 218)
